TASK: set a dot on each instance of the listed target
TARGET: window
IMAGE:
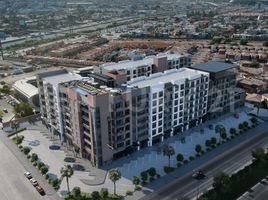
(160, 123)
(160, 109)
(175, 116)
(175, 102)
(154, 95)
(154, 103)
(160, 101)
(153, 132)
(182, 87)
(160, 116)
(161, 94)
(154, 118)
(160, 130)
(154, 125)
(154, 110)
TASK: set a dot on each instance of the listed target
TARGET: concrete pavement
(15, 163)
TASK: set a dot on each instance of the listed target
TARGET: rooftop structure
(172, 75)
(27, 90)
(214, 66)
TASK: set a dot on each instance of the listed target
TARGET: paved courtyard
(38, 138)
(153, 157)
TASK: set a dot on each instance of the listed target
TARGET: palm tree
(168, 151)
(66, 172)
(114, 175)
(15, 125)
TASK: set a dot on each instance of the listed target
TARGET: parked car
(5, 110)
(28, 175)
(78, 167)
(69, 159)
(34, 182)
(40, 190)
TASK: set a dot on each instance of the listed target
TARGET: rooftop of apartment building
(128, 64)
(214, 66)
(89, 87)
(168, 76)
(57, 77)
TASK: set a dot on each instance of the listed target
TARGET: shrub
(34, 157)
(168, 169)
(95, 195)
(253, 120)
(129, 193)
(213, 141)
(28, 156)
(40, 165)
(180, 157)
(191, 158)
(19, 139)
(198, 148)
(203, 152)
(137, 188)
(46, 176)
(135, 180)
(44, 170)
(20, 146)
(144, 176)
(26, 150)
(35, 164)
(157, 175)
(104, 193)
(152, 172)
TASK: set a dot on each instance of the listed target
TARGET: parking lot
(6, 109)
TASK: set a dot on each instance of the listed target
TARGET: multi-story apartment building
(96, 120)
(167, 103)
(48, 88)
(146, 66)
(222, 94)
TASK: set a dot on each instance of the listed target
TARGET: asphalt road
(13, 184)
(229, 162)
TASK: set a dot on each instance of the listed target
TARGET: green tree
(198, 148)
(26, 150)
(135, 180)
(213, 141)
(44, 170)
(5, 89)
(243, 41)
(254, 64)
(34, 157)
(152, 172)
(23, 109)
(223, 136)
(144, 176)
(259, 154)
(104, 193)
(67, 172)
(114, 175)
(180, 158)
(168, 151)
(233, 131)
(253, 120)
(76, 192)
(221, 182)
(15, 125)
(95, 195)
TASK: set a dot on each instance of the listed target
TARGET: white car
(28, 175)
(34, 182)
